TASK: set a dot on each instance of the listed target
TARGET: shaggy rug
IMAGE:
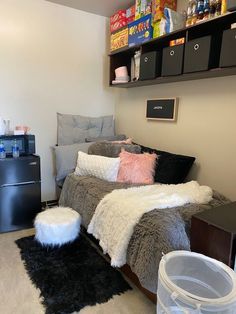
(70, 277)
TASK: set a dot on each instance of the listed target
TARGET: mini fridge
(20, 192)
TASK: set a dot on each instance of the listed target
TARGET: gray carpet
(19, 296)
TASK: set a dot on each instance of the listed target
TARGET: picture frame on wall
(162, 109)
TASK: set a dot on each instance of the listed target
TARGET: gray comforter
(159, 231)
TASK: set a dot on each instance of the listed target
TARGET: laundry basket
(192, 283)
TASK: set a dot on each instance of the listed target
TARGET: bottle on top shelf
(206, 14)
(223, 6)
(200, 10)
(194, 12)
(15, 150)
(212, 8)
(2, 151)
(218, 8)
(189, 13)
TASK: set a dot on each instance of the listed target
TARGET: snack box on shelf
(130, 11)
(142, 8)
(119, 15)
(171, 22)
(130, 19)
(140, 31)
(158, 8)
(119, 39)
(118, 24)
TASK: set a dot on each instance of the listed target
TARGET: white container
(192, 283)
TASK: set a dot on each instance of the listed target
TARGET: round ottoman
(57, 226)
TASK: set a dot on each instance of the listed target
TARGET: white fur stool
(57, 226)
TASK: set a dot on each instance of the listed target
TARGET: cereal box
(130, 11)
(140, 31)
(158, 8)
(118, 24)
(118, 16)
(130, 19)
(119, 39)
(140, 8)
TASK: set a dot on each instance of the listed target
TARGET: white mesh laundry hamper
(192, 283)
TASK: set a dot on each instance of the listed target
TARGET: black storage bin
(150, 65)
(172, 60)
(202, 54)
(228, 48)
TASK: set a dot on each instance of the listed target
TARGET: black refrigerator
(20, 192)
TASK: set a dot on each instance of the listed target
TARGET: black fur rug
(70, 277)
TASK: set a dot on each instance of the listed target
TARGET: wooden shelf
(228, 17)
(219, 72)
(123, 56)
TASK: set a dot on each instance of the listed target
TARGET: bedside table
(213, 233)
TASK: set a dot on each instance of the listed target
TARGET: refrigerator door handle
(16, 184)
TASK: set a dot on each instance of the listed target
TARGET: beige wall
(206, 126)
(52, 59)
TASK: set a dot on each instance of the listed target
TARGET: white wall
(52, 59)
(206, 126)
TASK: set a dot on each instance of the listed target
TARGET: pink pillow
(136, 168)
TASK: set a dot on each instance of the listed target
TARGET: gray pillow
(66, 158)
(75, 128)
(109, 149)
(119, 137)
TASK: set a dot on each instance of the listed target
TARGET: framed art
(164, 109)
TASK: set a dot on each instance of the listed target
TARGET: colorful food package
(158, 8)
(119, 15)
(130, 14)
(130, 11)
(140, 31)
(170, 22)
(174, 20)
(119, 39)
(130, 19)
(118, 24)
(142, 8)
(159, 28)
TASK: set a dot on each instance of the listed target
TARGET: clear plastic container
(2, 151)
(15, 150)
(192, 283)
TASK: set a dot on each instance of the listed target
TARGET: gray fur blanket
(159, 231)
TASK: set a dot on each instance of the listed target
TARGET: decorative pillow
(119, 137)
(170, 168)
(98, 166)
(136, 168)
(66, 157)
(75, 129)
(109, 149)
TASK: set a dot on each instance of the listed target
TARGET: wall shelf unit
(123, 56)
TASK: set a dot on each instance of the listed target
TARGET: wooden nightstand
(213, 233)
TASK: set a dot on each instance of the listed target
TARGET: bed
(158, 231)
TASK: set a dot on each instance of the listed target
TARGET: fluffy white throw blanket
(119, 211)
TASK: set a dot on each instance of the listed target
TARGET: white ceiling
(99, 7)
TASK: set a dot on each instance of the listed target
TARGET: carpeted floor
(19, 296)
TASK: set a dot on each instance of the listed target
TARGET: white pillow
(105, 168)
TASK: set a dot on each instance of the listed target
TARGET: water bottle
(2, 151)
(15, 150)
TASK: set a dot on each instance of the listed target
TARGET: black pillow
(170, 168)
